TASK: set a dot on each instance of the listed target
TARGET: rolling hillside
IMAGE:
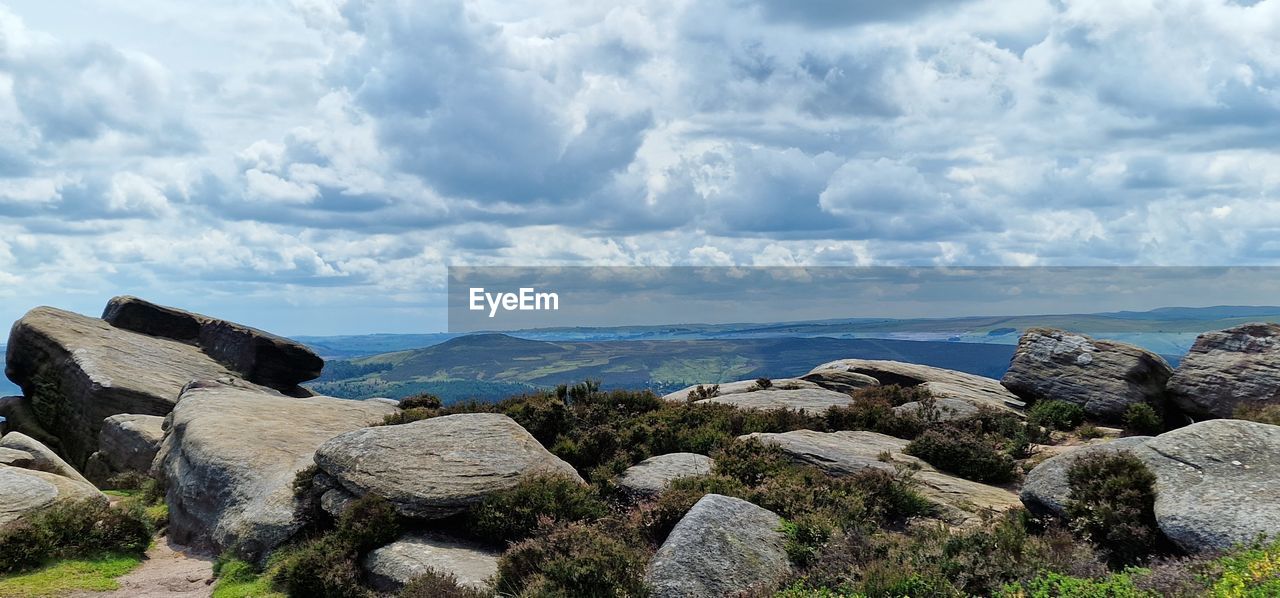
(489, 366)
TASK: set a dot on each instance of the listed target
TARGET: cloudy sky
(312, 166)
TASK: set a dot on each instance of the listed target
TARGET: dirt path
(167, 571)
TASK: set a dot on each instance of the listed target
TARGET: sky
(313, 166)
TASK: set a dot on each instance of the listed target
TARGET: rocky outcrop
(1103, 377)
(440, 466)
(1215, 482)
(23, 490)
(650, 477)
(958, 501)
(16, 458)
(42, 458)
(255, 355)
(722, 546)
(741, 386)
(1045, 491)
(839, 379)
(230, 456)
(126, 442)
(1229, 369)
(76, 371)
(941, 383)
(812, 400)
(393, 566)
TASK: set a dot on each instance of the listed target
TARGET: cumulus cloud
(355, 147)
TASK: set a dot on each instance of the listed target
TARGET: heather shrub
(436, 584)
(424, 400)
(1111, 503)
(654, 519)
(328, 565)
(72, 529)
(1056, 415)
(874, 413)
(965, 453)
(573, 560)
(1266, 414)
(1143, 419)
(515, 514)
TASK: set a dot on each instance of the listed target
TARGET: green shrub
(72, 529)
(1266, 414)
(368, 522)
(573, 560)
(436, 584)
(964, 453)
(1143, 419)
(1089, 431)
(1111, 502)
(751, 461)
(424, 400)
(1056, 415)
(324, 567)
(763, 383)
(875, 413)
(1249, 572)
(704, 392)
(515, 514)
(1055, 585)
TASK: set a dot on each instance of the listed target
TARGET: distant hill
(490, 366)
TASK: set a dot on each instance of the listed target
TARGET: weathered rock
(943, 410)
(440, 466)
(398, 563)
(43, 459)
(1216, 483)
(1103, 377)
(649, 477)
(958, 501)
(257, 356)
(741, 386)
(335, 501)
(839, 379)
(230, 456)
(79, 370)
(1229, 369)
(22, 490)
(129, 442)
(16, 458)
(813, 400)
(20, 418)
(721, 547)
(941, 383)
(1045, 490)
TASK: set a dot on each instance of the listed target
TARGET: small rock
(721, 547)
(393, 566)
(16, 458)
(651, 476)
(23, 490)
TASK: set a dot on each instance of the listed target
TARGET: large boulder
(941, 383)
(23, 490)
(127, 442)
(958, 501)
(77, 370)
(649, 477)
(1103, 377)
(438, 467)
(1228, 369)
(42, 458)
(813, 400)
(1046, 491)
(257, 356)
(738, 387)
(723, 546)
(1215, 482)
(393, 566)
(230, 456)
